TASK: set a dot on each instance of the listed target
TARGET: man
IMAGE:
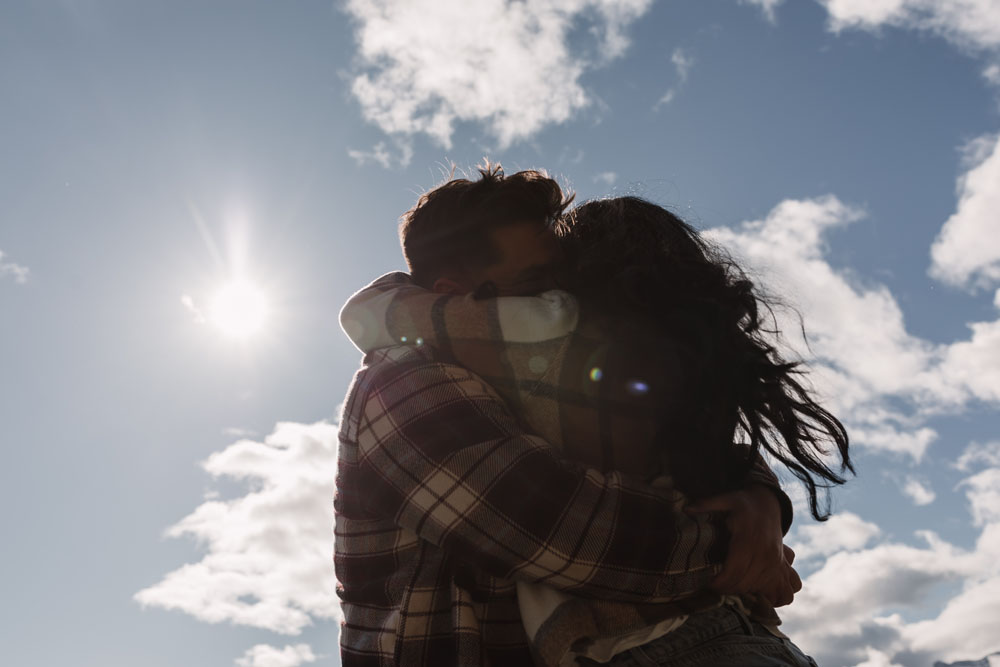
(444, 501)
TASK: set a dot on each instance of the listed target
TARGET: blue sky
(167, 487)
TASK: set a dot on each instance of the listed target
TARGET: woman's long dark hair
(637, 263)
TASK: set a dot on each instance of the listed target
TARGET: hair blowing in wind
(634, 262)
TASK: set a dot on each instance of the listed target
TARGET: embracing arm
(758, 516)
(392, 310)
(442, 456)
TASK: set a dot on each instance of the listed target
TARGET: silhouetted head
(649, 276)
(494, 233)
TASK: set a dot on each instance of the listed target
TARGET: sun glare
(239, 309)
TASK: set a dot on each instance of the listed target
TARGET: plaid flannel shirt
(444, 499)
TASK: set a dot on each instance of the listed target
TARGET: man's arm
(443, 457)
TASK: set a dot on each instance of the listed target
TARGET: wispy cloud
(237, 432)
(269, 553)
(264, 655)
(608, 178)
(919, 491)
(197, 313)
(425, 65)
(979, 453)
(683, 62)
(384, 155)
(992, 74)
(17, 271)
(983, 490)
(666, 98)
(766, 6)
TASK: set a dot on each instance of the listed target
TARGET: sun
(239, 309)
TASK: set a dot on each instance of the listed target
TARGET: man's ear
(448, 286)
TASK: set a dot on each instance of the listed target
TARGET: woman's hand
(758, 561)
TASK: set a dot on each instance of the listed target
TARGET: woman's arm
(392, 310)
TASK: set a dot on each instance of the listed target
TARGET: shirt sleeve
(392, 310)
(443, 457)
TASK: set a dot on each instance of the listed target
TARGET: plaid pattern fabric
(413, 556)
(443, 501)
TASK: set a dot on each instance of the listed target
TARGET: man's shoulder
(397, 374)
(386, 364)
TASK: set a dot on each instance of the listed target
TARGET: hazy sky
(167, 484)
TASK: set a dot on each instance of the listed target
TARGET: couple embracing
(554, 451)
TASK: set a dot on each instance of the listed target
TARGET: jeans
(722, 637)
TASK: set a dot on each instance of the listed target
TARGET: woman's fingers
(757, 558)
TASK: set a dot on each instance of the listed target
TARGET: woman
(654, 363)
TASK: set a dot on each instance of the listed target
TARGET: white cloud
(841, 532)
(766, 6)
(8, 268)
(876, 658)
(971, 24)
(840, 603)
(966, 626)
(918, 491)
(848, 610)
(887, 439)
(609, 178)
(425, 65)
(973, 366)
(269, 553)
(967, 250)
(263, 655)
(987, 453)
(383, 155)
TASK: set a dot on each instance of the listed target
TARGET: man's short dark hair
(449, 227)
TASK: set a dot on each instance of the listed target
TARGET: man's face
(529, 255)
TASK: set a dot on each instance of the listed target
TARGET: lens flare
(637, 387)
